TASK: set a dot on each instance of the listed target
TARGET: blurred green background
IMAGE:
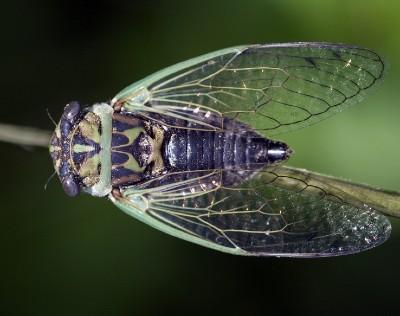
(62, 256)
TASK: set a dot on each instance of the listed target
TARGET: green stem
(26, 136)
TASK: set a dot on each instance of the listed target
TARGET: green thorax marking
(136, 149)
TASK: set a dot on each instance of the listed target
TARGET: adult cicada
(189, 150)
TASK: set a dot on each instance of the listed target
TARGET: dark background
(62, 256)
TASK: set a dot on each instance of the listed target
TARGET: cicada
(192, 151)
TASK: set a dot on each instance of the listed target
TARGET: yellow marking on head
(93, 118)
(89, 167)
(90, 180)
(90, 130)
(54, 148)
(78, 148)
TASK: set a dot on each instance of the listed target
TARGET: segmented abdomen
(186, 149)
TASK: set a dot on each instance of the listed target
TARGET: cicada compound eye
(72, 111)
(70, 186)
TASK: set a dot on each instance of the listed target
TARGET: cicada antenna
(49, 179)
(50, 117)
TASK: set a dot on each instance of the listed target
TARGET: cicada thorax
(144, 148)
(135, 149)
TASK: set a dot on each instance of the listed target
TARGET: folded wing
(258, 217)
(276, 88)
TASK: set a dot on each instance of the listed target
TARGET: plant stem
(26, 136)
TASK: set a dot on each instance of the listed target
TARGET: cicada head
(79, 147)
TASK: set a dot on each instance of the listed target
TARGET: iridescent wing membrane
(258, 217)
(273, 88)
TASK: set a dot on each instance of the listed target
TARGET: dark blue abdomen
(186, 149)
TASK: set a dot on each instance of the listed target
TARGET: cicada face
(76, 148)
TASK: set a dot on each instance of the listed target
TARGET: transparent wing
(258, 217)
(356, 194)
(274, 88)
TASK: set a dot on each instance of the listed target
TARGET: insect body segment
(130, 149)
(188, 150)
(142, 149)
